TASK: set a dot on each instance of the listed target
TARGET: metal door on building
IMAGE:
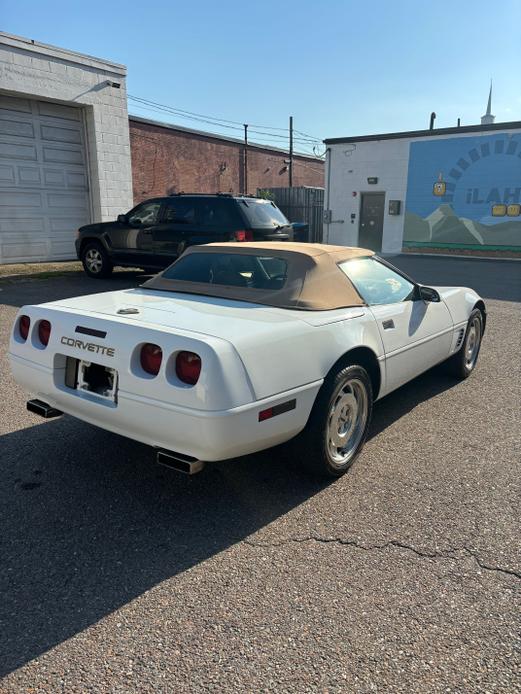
(371, 229)
(44, 192)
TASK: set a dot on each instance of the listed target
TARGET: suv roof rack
(226, 195)
(219, 194)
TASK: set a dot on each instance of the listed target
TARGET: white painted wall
(351, 165)
(348, 165)
(38, 71)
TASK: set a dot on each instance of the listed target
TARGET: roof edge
(512, 125)
(216, 136)
(25, 44)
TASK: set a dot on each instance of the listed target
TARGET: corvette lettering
(89, 346)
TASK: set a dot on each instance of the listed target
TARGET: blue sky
(340, 68)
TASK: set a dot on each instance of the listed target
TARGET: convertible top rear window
(302, 276)
(230, 269)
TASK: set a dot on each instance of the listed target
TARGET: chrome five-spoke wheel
(347, 420)
(463, 362)
(472, 342)
(339, 422)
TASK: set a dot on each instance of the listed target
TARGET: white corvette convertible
(238, 347)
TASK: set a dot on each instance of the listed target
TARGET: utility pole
(291, 151)
(245, 176)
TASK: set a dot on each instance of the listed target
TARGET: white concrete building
(445, 188)
(64, 147)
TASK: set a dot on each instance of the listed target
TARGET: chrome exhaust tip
(179, 462)
(43, 409)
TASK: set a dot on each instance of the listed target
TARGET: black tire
(95, 260)
(315, 445)
(463, 363)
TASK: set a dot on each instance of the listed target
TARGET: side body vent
(459, 339)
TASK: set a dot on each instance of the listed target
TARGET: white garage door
(44, 194)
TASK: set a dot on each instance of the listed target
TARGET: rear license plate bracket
(97, 379)
(71, 372)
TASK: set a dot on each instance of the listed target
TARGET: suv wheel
(96, 262)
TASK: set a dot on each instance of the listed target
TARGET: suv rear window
(230, 269)
(262, 213)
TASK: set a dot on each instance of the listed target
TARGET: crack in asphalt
(391, 543)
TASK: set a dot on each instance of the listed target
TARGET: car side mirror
(429, 294)
(122, 218)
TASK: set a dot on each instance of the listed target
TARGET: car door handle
(147, 231)
(388, 324)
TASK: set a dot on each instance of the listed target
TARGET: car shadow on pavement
(400, 402)
(19, 291)
(90, 522)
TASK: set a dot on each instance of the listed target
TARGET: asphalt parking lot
(403, 576)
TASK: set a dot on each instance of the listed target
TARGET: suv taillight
(188, 367)
(44, 332)
(150, 358)
(244, 235)
(23, 326)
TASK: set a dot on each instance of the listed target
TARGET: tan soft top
(314, 282)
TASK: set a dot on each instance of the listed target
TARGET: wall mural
(465, 192)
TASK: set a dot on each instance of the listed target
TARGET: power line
(148, 104)
(167, 109)
(315, 139)
(191, 115)
(270, 136)
(182, 111)
(261, 142)
(276, 140)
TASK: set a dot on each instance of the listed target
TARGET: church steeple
(488, 118)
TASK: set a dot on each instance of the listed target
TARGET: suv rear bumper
(275, 237)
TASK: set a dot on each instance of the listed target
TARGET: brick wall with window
(168, 160)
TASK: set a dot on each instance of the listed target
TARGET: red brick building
(169, 158)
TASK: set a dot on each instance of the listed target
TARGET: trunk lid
(226, 319)
(268, 341)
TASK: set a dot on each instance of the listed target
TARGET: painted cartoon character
(439, 187)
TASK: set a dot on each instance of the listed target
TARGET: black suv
(153, 234)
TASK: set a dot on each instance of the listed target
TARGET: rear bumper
(205, 435)
(275, 237)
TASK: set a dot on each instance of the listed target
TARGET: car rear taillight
(44, 332)
(244, 235)
(188, 367)
(23, 326)
(150, 358)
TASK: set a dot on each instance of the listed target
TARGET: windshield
(263, 213)
(230, 269)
